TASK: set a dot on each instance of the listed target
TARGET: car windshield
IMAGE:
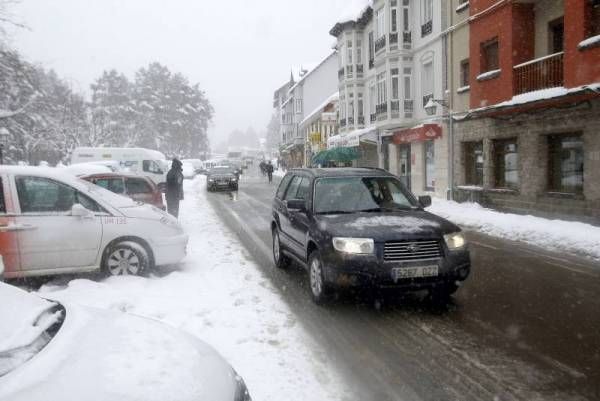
(360, 194)
(221, 170)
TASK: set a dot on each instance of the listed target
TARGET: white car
(53, 351)
(188, 170)
(52, 223)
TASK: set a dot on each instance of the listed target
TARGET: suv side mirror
(425, 201)
(79, 211)
(296, 205)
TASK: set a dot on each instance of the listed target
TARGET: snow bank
(223, 298)
(553, 235)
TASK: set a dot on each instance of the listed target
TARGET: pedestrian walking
(270, 169)
(174, 187)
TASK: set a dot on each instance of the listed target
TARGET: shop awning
(353, 138)
(339, 154)
(420, 133)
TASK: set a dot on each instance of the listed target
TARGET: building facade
(390, 65)
(530, 142)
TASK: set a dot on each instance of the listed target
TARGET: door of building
(404, 164)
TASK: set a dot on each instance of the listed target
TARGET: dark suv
(362, 227)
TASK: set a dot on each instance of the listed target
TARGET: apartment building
(530, 142)
(390, 65)
(299, 98)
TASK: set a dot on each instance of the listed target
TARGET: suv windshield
(359, 194)
(221, 170)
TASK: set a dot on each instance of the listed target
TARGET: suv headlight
(455, 241)
(357, 246)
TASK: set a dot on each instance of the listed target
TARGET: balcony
(341, 74)
(393, 38)
(395, 106)
(542, 73)
(373, 117)
(361, 120)
(407, 37)
(349, 72)
(426, 28)
(343, 122)
(380, 44)
(371, 63)
(360, 70)
(381, 111)
(350, 121)
(408, 106)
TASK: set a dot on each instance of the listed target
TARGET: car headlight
(234, 179)
(211, 180)
(359, 246)
(455, 241)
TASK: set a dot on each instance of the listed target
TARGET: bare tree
(8, 18)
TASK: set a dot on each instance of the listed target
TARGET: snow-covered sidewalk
(222, 297)
(554, 235)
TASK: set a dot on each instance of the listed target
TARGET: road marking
(483, 245)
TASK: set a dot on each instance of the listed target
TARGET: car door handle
(17, 227)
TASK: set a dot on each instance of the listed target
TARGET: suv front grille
(411, 250)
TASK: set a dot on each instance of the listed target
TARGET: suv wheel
(318, 287)
(281, 261)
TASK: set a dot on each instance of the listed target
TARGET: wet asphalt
(525, 326)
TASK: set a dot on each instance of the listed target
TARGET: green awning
(343, 155)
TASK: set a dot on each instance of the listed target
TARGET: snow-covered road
(221, 296)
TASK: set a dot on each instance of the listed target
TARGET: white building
(390, 65)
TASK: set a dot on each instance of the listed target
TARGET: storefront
(365, 142)
(419, 157)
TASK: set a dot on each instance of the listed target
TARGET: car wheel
(318, 287)
(125, 258)
(281, 261)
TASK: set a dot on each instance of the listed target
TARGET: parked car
(189, 171)
(198, 164)
(362, 227)
(52, 222)
(223, 177)
(58, 351)
(138, 188)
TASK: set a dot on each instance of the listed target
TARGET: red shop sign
(422, 133)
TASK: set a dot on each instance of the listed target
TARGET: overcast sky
(239, 51)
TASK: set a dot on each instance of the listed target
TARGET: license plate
(400, 273)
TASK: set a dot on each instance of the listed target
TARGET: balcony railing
(349, 71)
(343, 122)
(408, 106)
(542, 73)
(350, 120)
(426, 28)
(361, 120)
(395, 106)
(407, 37)
(426, 98)
(371, 63)
(393, 38)
(380, 44)
(381, 109)
(373, 117)
(360, 70)
(341, 73)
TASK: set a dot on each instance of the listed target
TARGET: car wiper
(372, 210)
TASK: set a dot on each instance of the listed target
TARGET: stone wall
(531, 131)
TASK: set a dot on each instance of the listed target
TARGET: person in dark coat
(174, 187)
(270, 169)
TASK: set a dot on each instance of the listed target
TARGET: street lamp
(4, 135)
(431, 105)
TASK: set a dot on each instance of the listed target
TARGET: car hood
(221, 176)
(100, 355)
(142, 211)
(398, 225)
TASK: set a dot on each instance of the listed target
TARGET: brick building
(530, 142)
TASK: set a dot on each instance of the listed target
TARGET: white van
(146, 162)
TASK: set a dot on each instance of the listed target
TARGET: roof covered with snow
(309, 71)
(311, 116)
(354, 12)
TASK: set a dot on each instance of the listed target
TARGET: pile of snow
(553, 235)
(223, 298)
(589, 42)
(488, 75)
(279, 172)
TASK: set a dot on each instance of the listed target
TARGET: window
(489, 56)
(360, 105)
(2, 203)
(565, 161)
(380, 23)
(406, 19)
(394, 20)
(381, 89)
(298, 106)
(351, 107)
(473, 163)
(506, 163)
(303, 189)
(283, 186)
(556, 33)
(371, 49)
(137, 186)
(112, 184)
(407, 84)
(426, 11)
(359, 52)
(395, 84)
(427, 82)
(593, 18)
(464, 73)
(349, 47)
(429, 165)
(293, 188)
(373, 97)
(151, 166)
(42, 195)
